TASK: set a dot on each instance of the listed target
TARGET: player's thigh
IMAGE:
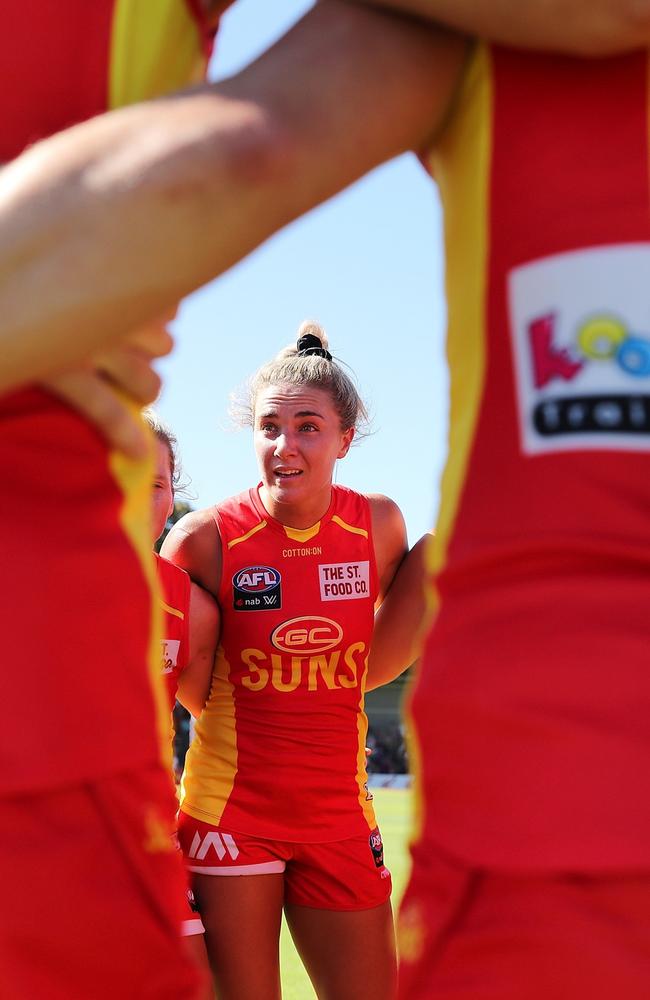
(96, 891)
(242, 915)
(348, 954)
(238, 883)
(195, 945)
(338, 910)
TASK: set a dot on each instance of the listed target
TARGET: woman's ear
(346, 442)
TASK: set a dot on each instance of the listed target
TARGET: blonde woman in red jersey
(275, 811)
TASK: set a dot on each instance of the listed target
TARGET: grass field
(393, 815)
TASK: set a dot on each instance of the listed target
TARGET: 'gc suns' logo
(307, 635)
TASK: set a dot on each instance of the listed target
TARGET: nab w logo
(221, 843)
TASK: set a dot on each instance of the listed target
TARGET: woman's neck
(300, 515)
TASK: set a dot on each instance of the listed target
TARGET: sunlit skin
(298, 439)
(162, 491)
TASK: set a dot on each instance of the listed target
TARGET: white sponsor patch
(170, 649)
(580, 328)
(344, 581)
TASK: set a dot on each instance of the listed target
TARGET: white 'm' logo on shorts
(221, 842)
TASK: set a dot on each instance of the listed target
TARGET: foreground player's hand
(114, 385)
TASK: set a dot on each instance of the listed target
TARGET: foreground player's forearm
(107, 224)
(577, 27)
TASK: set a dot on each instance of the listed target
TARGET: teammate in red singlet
(190, 615)
(190, 629)
(275, 810)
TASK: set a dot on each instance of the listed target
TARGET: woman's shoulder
(194, 544)
(384, 511)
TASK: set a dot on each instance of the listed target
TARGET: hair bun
(309, 343)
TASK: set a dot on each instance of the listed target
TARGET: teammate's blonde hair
(307, 362)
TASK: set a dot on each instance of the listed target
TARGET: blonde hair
(307, 362)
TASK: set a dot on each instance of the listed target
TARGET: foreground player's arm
(389, 539)
(399, 623)
(576, 27)
(107, 224)
(195, 678)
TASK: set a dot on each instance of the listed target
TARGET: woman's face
(298, 438)
(162, 491)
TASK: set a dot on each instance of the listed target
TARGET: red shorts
(342, 875)
(95, 893)
(472, 934)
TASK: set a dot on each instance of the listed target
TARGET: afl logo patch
(307, 635)
(257, 588)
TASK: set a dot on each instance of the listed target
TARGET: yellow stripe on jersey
(134, 480)
(156, 48)
(213, 787)
(176, 612)
(362, 728)
(301, 534)
(460, 162)
(249, 534)
(349, 527)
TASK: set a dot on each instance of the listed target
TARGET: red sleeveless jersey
(279, 750)
(533, 702)
(82, 685)
(175, 602)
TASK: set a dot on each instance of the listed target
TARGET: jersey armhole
(221, 554)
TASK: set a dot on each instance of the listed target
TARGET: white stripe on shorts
(263, 868)
(191, 926)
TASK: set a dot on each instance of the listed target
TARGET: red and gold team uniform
(175, 586)
(275, 778)
(86, 799)
(532, 705)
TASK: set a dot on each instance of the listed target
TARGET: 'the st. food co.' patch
(257, 588)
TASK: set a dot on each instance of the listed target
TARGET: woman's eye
(309, 427)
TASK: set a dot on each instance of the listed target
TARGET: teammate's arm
(389, 539)
(107, 224)
(577, 27)
(399, 622)
(194, 680)
(194, 544)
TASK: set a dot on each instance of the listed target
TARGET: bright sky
(367, 266)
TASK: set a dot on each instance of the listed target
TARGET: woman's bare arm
(195, 678)
(575, 27)
(108, 224)
(399, 622)
(389, 539)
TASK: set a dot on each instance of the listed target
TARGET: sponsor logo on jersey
(170, 648)
(221, 844)
(377, 847)
(347, 581)
(257, 588)
(580, 326)
(306, 635)
(325, 671)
